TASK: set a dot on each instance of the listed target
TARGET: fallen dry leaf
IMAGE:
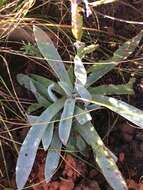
(132, 184)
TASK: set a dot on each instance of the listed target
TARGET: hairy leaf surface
(127, 111)
(66, 120)
(53, 157)
(113, 89)
(48, 135)
(103, 156)
(51, 54)
(123, 52)
(30, 145)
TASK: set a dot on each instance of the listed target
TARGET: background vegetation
(71, 78)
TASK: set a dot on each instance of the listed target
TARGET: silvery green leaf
(53, 157)
(66, 88)
(88, 49)
(80, 144)
(51, 93)
(48, 135)
(113, 89)
(127, 111)
(93, 107)
(83, 92)
(82, 116)
(32, 119)
(41, 100)
(127, 48)
(98, 71)
(79, 71)
(115, 158)
(24, 80)
(71, 73)
(30, 145)
(45, 82)
(66, 120)
(102, 156)
(33, 107)
(32, 88)
(71, 145)
(51, 54)
(42, 80)
(32, 85)
(81, 78)
(41, 89)
(119, 55)
(29, 84)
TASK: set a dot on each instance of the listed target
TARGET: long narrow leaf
(81, 78)
(119, 55)
(103, 156)
(30, 145)
(82, 115)
(24, 80)
(113, 89)
(48, 135)
(39, 85)
(42, 80)
(127, 111)
(79, 71)
(41, 89)
(45, 82)
(51, 54)
(53, 157)
(51, 94)
(83, 92)
(66, 120)
(33, 107)
(80, 144)
(40, 98)
(98, 71)
(29, 84)
(66, 88)
(71, 73)
(32, 119)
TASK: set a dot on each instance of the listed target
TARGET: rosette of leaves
(67, 105)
